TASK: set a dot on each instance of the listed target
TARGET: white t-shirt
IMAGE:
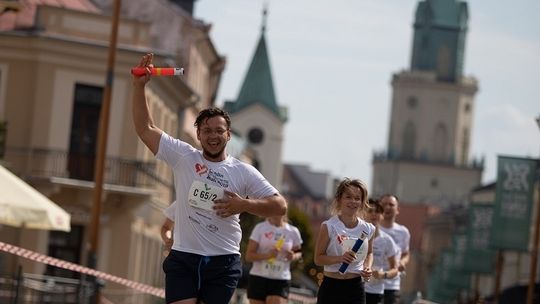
(401, 236)
(269, 237)
(383, 248)
(342, 239)
(170, 211)
(198, 230)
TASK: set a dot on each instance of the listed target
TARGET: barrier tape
(158, 292)
(41, 258)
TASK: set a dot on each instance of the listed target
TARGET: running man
(212, 189)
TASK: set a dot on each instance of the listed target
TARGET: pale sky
(332, 62)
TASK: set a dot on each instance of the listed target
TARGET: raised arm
(142, 120)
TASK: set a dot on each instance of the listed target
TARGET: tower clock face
(255, 135)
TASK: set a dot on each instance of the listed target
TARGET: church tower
(427, 159)
(256, 115)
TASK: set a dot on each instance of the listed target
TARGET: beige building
(52, 74)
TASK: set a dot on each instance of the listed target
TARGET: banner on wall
(479, 256)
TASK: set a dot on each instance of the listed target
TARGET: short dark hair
(209, 113)
(389, 195)
(375, 204)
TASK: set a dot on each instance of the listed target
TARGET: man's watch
(385, 275)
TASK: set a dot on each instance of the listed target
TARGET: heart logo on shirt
(340, 239)
(269, 235)
(201, 169)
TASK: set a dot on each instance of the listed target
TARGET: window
(412, 102)
(84, 131)
(443, 62)
(440, 142)
(467, 107)
(465, 146)
(409, 140)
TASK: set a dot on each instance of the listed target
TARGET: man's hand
(146, 62)
(168, 243)
(230, 204)
(366, 274)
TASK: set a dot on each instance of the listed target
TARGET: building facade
(52, 74)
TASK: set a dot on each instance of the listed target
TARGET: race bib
(202, 195)
(273, 269)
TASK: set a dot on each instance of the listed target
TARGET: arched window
(409, 140)
(465, 146)
(443, 61)
(440, 141)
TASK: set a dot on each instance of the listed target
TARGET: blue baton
(355, 248)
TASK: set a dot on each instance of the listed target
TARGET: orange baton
(158, 71)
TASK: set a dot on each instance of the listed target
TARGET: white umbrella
(23, 206)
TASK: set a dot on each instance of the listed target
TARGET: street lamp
(534, 251)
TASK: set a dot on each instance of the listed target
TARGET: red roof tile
(26, 16)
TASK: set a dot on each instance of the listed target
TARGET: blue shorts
(211, 279)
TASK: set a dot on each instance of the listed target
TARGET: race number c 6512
(202, 195)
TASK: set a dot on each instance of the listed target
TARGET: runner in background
(272, 246)
(384, 255)
(401, 236)
(167, 227)
(336, 238)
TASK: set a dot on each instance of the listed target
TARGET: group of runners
(212, 189)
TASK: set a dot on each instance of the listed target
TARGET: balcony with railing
(384, 156)
(48, 163)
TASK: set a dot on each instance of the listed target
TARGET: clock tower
(256, 116)
(427, 158)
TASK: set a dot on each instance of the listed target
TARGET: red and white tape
(41, 258)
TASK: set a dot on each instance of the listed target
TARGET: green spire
(439, 38)
(258, 86)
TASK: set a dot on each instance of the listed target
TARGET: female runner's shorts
(259, 288)
(350, 291)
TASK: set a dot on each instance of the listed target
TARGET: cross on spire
(264, 16)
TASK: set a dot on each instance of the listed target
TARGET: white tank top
(342, 239)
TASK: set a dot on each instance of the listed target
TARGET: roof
(25, 18)
(258, 86)
(485, 187)
(317, 184)
(446, 13)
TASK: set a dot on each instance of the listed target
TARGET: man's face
(214, 134)
(390, 205)
(373, 217)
